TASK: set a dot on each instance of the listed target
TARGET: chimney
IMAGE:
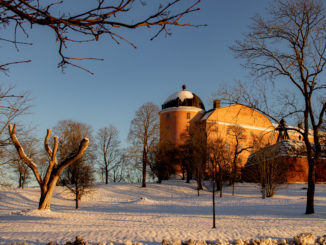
(216, 104)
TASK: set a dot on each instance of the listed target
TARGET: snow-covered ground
(172, 210)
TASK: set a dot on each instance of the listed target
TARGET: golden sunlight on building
(237, 126)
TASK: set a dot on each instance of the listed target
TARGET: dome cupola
(183, 98)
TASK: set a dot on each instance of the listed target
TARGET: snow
(171, 210)
(207, 115)
(182, 95)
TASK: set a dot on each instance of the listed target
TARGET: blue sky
(128, 77)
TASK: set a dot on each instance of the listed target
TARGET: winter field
(172, 210)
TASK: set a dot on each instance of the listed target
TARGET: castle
(239, 126)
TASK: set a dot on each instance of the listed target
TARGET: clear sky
(128, 77)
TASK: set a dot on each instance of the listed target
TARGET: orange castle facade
(183, 109)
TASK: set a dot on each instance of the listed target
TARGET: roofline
(266, 129)
(182, 108)
(236, 104)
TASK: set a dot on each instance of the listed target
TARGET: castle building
(238, 126)
(178, 111)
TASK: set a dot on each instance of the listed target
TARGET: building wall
(255, 126)
(297, 170)
(175, 123)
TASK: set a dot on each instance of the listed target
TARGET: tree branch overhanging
(104, 18)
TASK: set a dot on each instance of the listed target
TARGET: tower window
(188, 115)
(167, 116)
(188, 128)
(227, 146)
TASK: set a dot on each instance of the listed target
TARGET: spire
(282, 131)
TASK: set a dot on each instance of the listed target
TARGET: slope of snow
(172, 210)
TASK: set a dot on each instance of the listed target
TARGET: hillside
(172, 210)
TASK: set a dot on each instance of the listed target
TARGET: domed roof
(183, 98)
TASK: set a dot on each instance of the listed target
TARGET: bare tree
(219, 157)
(195, 147)
(144, 134)
(12, 105)
(29, 143)
(165, 156)
(239, 135)
(108, 146)
(265, 166)
(291, 47)
(218, 162)
(54, 170)
(79, 176)
(87, 25)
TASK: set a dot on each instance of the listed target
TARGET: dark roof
(195, 101)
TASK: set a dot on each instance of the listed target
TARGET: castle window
(228, 131)
(188, 115)
(227, 146)
(188, 128)
(167, 116)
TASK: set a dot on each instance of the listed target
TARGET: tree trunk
(46, 194)
(189, 177)
(77, 195)
(20, 180)
(106, 175)
(144, 174)
(234, 173)
(221, 184)
(23, 182)
(311, 187)
(199, 184)
(213, 198)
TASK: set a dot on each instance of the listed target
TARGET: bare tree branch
(102, 19)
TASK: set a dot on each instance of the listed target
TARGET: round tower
(179, 110)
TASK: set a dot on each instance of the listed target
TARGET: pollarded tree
(144, 134)
(290, 47)
(84, 25)
(108, 147)
(48, 182)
